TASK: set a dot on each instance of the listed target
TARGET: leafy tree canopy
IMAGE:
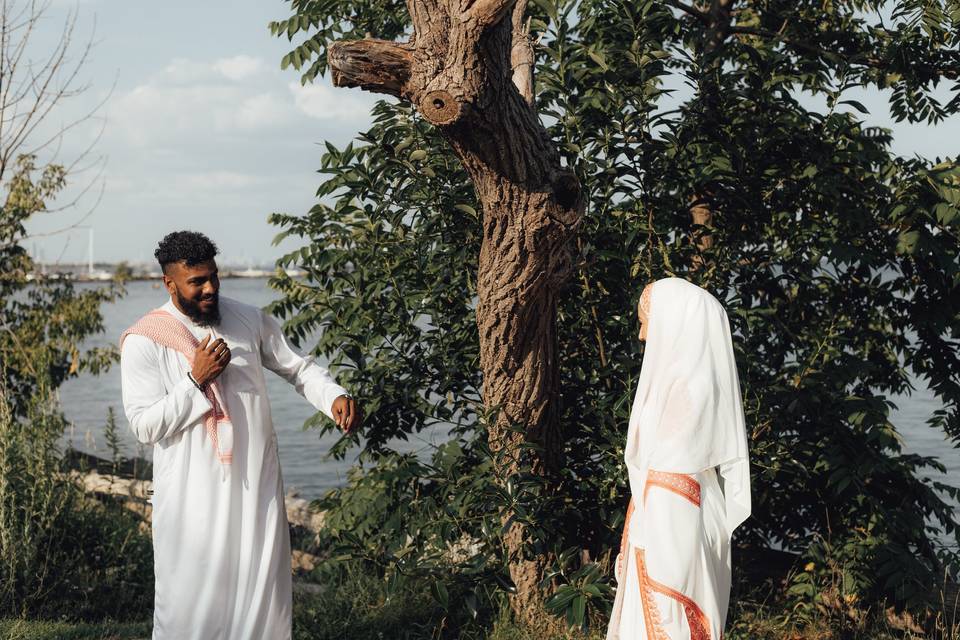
(837, 261)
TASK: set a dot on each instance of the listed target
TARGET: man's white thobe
(221, 541)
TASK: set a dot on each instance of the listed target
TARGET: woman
(686, 457)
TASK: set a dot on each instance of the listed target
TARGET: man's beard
(209, 318)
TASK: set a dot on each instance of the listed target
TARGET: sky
(200, 129)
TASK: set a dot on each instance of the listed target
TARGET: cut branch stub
(380, 66)
(487, 12)
(440, 107)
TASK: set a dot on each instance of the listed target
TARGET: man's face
(195, 291)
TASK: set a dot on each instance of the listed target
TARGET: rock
(136, 495)
(302, 562)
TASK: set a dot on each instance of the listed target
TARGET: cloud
(191, 102)
(263, 109)
(187, 71)
(321, 101)
(239, 67)
(218, 180)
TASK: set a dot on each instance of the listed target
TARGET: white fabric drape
(221, 544)
(687, 424)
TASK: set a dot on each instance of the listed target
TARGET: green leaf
(439, 592)
(907, 241)
(856, 105)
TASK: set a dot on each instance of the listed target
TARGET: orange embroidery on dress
(679, 483)
(696, 619)
(645, 299)
(651, 614)
(625, 538)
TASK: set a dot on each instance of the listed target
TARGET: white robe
(686, 551)
(221, 543)
(687, 459)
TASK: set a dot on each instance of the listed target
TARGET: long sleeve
(311, 380)
(153, 412)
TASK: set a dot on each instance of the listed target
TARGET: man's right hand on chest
(209, 360)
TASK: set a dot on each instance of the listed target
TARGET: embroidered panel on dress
(680, 483)
(651, 613)
(697, 620)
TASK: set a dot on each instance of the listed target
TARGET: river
(303, 453)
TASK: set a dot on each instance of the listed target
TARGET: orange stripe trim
(651, 614)
(680, 483)
(696, 619)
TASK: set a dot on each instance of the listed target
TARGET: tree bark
(469, 70)
(702, 218)
(716, 18)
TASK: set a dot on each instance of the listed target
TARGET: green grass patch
(359, 605)
(43, 630)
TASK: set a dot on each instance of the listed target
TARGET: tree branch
(947, 72)
(719, 23)
(380, 66)
(696, 13)
(488, 12)
(521, 53)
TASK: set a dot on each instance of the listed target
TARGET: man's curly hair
(190, 247)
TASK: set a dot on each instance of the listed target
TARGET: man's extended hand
(210, 359)
(346, 413)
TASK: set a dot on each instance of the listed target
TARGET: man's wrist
(196, 383)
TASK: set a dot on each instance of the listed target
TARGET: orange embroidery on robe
(625, 539)
(651, 614)
(679, 483)
(697, 620)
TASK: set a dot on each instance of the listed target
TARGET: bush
(63, 555)
(360, 602)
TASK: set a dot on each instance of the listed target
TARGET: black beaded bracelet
(195, 383)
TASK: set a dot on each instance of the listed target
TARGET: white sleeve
(311, 380)
(155, 413)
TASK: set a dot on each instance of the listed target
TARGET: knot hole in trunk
(440, 107)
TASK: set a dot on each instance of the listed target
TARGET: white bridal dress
(686, 456)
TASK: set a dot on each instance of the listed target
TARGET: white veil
(687, 415)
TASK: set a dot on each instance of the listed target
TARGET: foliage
(62, 554)
(43, 320)
(122, 272)
(837, 260)
(363, 605)
(42, 630)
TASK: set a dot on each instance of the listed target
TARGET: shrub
(62, 554)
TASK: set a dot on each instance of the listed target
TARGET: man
(193, 386)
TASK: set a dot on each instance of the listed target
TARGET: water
(302, 453)
(306, 469)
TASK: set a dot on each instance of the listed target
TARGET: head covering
(687, 415)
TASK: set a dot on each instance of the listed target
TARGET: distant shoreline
(104, 275)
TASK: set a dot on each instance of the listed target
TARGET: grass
(357, 605)
(41, 630)
(360, 611)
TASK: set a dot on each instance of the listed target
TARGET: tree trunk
(716, 18)
(702, 218)
(469, 70)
